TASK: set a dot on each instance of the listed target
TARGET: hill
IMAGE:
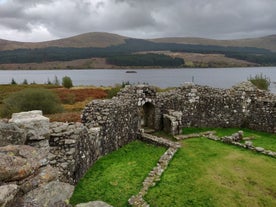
(267, 42)
(111, 51)
(102, 40)
(94, 39)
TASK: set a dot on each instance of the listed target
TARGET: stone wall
(72, 148)
(116, 122)
(241, 106)
(25, 171)
(107, 125)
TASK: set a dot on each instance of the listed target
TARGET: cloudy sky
(41, 20)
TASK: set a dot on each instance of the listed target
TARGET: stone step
(158, 140)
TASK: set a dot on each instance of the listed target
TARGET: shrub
(49, 82)
(13, 82)
(25, 82)
(31, 99)
(114, 90)
(262, 82)
(67, 82)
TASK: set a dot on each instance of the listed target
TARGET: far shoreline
(136, 68)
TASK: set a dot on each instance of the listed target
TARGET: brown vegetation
(80, 94)
(65, 117)
(74, 101)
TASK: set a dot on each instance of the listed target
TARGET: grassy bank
(119, 175)
(208, 173)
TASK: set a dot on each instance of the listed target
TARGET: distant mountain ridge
(103, 40)
(267, 42)
(94, 39)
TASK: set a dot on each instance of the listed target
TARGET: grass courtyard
(202, 173)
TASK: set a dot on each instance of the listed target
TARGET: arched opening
(148, 117)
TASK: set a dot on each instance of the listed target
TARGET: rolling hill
(94, 39)
(102, 40)
(106, 50)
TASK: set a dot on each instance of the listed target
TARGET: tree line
(145, 60)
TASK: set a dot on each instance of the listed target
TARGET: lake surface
(215, 77)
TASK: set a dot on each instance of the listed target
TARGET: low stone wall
(155, 174)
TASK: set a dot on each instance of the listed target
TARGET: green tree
(49, 82)
(25, 82)
(13, 82)
(67, 82)
(56, 81)
(31, 99)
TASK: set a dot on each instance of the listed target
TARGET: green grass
(261, 139)
(119, 175)
(208, 173)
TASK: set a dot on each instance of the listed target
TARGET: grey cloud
(143, 18)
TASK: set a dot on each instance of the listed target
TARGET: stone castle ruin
(70, 149)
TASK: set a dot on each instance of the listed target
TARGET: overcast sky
(41, 20)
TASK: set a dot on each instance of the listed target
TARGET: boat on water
(131, 71)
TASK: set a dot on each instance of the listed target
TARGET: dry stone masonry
(65, 151)
(26, 176)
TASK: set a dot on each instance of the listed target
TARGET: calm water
(215, 77)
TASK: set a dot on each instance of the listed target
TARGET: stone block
(50, 195)
(11, 134)
(94, 204)
(19, 161)
(35, 125)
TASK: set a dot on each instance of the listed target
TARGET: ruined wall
(113, 123)
(110, 124)
(74, 148)
(241, 106)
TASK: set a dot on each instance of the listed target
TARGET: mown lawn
(209, 173)
(119, 175)
(260, 139)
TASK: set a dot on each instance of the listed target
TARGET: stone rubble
(236, 138)
(187, 136)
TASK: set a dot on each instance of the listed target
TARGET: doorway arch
(148, 117)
